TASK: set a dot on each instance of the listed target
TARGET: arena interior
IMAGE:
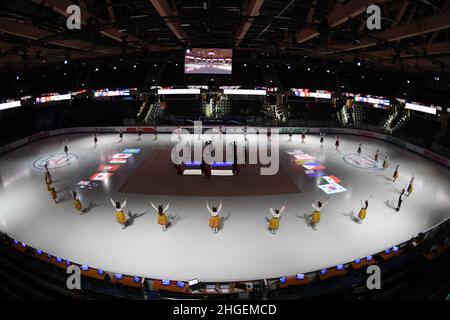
(225, 150)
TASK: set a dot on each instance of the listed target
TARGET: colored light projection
(327, 183)
(106, 171)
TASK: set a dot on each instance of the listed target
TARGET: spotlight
(136, 279)
(180, 284)
(357, 261)
(323, 272)
(395, 248)
(283, 280)
(188, 50)
(300, 276)
(387, 251)
(100, 271)
(118, 276)
(85, 267)
(39, 252)
(340, 267)
(359, 64)
(59, 260)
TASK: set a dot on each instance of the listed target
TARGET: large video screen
(208, 61)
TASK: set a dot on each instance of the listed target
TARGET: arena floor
(244, 249)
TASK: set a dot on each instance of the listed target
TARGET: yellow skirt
(410, 188)
(362, 214)
(162, 219)
(77, 204)
(214, 222)
(274, 223)
(395, 176)
(315, 217)
(120, 217)
(53, 192)
(48, 187)
(385, 164)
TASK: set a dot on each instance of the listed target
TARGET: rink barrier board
(170, 129)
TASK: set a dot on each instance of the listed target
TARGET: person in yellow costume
(120, 214)
(53, 192)
(274, 223)
(385, 162)
(362, 213)
(315, 218)
(163, 221)
(76, 201)
(410, 186)
(396, 173)
(214, 221)
(376, 155)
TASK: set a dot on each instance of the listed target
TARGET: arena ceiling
(415, 34)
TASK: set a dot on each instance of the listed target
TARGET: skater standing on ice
(66, 148)
(76, 201)
(400, 200)
(95, 139)
(376, 155)
(120, 135)
(410, 186)
(155, 132)
(274, 223)
(214, 221)
(120, 214)
(163, 221)
(362, 213)
(245, 133)
(322, 136)
(386, 162)
(269, 134)
(139, 132)
(337, 142)
(359, 148)
(179, 132)
(396, 174)
(315, 218)
(47, 172)
(303, 135)
(290, 134)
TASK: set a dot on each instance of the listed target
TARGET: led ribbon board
(245, 92)
(420, 108)
(178, 91)
(54, 97)
(10, 105)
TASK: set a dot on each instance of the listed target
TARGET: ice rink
(243, 249)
